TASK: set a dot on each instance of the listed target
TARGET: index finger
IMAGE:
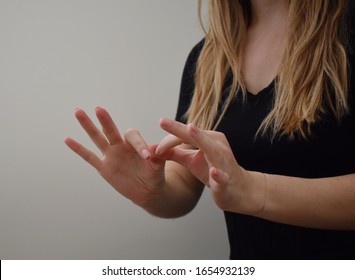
(178, 136)
(207, 144)
(204, 140)
(168, 142)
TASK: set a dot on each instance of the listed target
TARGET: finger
(207, 144)
(167, 143)
(178, 129)
(94, 133)
(183, 156)
(158, 158)
(133, 137)
(108, 126)
(84, 153)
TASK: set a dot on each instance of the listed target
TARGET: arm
(327, 203)
(128, 164)
(179, 195)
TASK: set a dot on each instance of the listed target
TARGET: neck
(268, 11)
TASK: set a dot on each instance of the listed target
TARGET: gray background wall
(56, 55)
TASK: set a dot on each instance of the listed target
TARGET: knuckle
(220, 136)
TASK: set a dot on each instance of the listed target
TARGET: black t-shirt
(329, 152)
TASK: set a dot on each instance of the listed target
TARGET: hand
(127, 163)
(233, 188)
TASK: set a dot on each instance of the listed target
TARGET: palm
(129, 174)
(124, 164)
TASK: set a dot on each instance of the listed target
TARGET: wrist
(165, 203)
(255, 188)
(153, 198)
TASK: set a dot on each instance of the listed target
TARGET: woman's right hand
(127, 163)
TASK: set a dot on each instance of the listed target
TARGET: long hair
(312, 77)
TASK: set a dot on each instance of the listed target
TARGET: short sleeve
(188, 82)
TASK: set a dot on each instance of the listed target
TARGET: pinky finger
(218, 179)
(84, 153)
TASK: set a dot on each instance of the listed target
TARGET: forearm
(326, 203)
(179, 195)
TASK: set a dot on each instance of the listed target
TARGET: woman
(268, 98)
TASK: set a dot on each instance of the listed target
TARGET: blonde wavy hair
(312, 77)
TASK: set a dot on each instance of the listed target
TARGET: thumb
(218, 179)
(162, 156)
(157, 162)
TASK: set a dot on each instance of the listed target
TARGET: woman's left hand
(233, 188)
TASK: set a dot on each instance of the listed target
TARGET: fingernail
(78, 112)
(145, 154)
(165, 121)
(213, 170)
(157, 150)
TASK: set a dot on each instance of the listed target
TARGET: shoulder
(194, 54)
(188, 81)
(188, 77)
(196, 50)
